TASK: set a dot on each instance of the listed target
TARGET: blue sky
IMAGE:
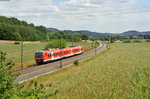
(95, 15)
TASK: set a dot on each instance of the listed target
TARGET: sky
(113, 16)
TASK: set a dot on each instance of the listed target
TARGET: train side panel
(55, 54)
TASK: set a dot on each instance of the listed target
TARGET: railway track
(34, 71)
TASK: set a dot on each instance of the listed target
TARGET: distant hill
(94, 34)
(134, 33)
(52, 29)
(101, 35)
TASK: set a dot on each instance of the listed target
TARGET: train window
(48, 55)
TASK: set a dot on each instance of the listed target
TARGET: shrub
(76, 62)
(9, 90)
(147, 40)
(56, 44)
(121, 39)
(17, 42)
(126, 41)
(111, 41)
(137, 41)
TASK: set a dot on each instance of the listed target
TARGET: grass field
(29, 48)
(122, 72)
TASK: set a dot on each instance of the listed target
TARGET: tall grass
(113, 76)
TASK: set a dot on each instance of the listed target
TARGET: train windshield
(39, 54)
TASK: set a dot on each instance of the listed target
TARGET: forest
(14, 29)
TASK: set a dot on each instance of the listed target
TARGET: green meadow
(121, 72)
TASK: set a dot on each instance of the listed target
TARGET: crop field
(121, 72)
(29, 48)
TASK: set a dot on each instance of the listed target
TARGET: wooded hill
(14, 29)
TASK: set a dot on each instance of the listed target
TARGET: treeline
(76, 37)
(113, 38)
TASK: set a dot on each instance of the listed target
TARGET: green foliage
(147, 40)
(17, 42)
(141, 83)
(111, 41)
(137, 41)
(14, 29)
(76, 37)
(17, 36)
(7, 89)
(10, 90)
(56, 44)
(127, 41)
(2, 56)
(84, 36)
(76, 62)
(35, 92)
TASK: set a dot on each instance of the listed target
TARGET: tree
(56, 44)
(84, 36)
(17, 36)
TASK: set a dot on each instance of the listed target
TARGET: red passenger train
(44, 56)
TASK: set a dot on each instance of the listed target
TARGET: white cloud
(95, 15)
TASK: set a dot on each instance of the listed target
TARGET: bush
(56, 44)
(147, 40)
(76, 62)
(126, 41)
(17, 42)
(121, 39)
(137, 41)
(111, 41)
(9, 90)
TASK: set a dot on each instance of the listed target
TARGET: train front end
(39, 57)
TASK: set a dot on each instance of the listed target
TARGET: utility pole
(72, 40)
(60, 53)
(95, 47)
(21, 54)
(109, 38)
